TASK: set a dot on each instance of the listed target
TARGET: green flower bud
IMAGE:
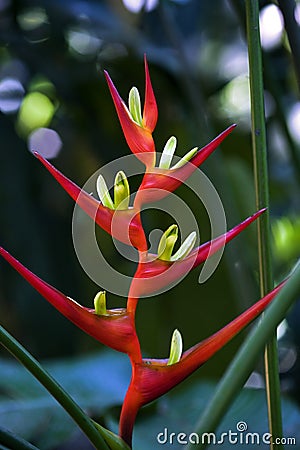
(134, 103)
(100, 303)
(168, 152)
(103, 193)
(185, 248)
(176, 348)
(121, 191)
(185, 158)
(167, 242)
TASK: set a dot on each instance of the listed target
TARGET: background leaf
(179, 412)
(28, 410)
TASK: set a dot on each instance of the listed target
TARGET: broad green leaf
(96, 382)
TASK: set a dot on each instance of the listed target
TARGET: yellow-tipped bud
(134, 103)
(167, 242)
(121, 191)
(176, 348)
(100, 303)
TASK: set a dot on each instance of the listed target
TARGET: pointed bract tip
(259, 212)
(109, 81)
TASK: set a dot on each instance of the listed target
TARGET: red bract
(154, 377)
(138, 136)
(157, 182)
(124, 225)
(116, 329)
(154, 274)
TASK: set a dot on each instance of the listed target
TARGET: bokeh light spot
(32, 18)
(45, 141)
(236, 96)
(135, 6)
(36, 111)
(83, 42)
(271, 26)
(11, 95)
(294, 121)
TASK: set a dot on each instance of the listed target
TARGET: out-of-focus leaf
(96, 382)
(179, 413)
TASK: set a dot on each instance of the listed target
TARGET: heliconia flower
(154, 377)
(154, 274)
(137, 128)
(159, 181)
(127, 226)
(113, 328)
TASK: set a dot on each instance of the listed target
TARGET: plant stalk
(262, 200)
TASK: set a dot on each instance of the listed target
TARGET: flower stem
(34, 367)
(262, 200)
(242, 365)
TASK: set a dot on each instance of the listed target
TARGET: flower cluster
(115, 328)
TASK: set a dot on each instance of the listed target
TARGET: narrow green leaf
(114, 441)
(10, 440)
(261, 177)
(62, 397)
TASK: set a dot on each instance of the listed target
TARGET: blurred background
(54, 99)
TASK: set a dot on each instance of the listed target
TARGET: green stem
(262, 200)
(14, 442)
(246, 358)
(63, 398)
